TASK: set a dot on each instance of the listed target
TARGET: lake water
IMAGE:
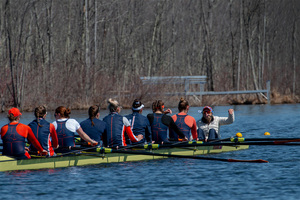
(179, 178)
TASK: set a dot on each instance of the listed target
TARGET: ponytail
(93, 111)
(39, 112)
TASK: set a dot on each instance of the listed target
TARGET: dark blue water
(180, 178)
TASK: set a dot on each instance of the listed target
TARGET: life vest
(185, 129)
(115, 130)
(14, 143)
(138, 124)
(159, 130)
(64, 135)
(42, 134)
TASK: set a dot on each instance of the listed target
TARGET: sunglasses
(206, 111)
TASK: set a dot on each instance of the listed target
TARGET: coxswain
(139, 123)
(185, 122)
(161, 123)
(93, 126)
(209, 125)
(66, 129)
(44, 131)
(117, 126)
(14, 136)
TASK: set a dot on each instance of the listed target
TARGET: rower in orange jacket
(14, 134)
(185, 122)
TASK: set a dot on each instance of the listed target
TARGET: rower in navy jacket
(161, 123)
(117, 126)
(44, 131)
(139, 124)
(93, 126)
(66, 128)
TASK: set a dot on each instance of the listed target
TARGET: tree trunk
(9, 47)
(241, 46)
(294, 43)
(87, 53)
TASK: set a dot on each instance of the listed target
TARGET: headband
(138, 108)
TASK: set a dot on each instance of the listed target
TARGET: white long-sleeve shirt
(215, 124)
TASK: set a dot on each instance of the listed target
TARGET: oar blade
(252, 161)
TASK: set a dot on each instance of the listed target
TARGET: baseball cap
(207, 109)
(15, 111)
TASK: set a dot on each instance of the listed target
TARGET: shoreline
(216, 100)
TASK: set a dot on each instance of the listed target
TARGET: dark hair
(157, 105)
(93, 111)
(39, 112)
(183, 104)
(63, 111)
(136, 104)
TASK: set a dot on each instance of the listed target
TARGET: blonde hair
(113, 105)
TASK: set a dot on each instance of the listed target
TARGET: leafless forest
(80, 52)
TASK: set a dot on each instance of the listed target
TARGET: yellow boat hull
(93, 158)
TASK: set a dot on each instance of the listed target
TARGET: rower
(139, 124)
(185, 122)
(117, 126)
(161, 123)
(14, 134)
(66, 128)
(44, 132)
(93, 126)
(209, 125)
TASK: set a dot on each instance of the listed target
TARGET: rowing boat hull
(92, 158)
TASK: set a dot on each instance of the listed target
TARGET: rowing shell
(92, 158)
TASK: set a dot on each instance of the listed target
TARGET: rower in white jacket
(208, 127)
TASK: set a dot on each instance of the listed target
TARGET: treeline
(80, 52)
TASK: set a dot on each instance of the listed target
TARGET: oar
(220, 140)
(76, 150)
(180, 156)
(134, 152)
(274, 139)
(193, 144)
(236, 139)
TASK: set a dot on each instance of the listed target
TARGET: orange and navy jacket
(116, 129)
(187, 124)
(13, 136)
(140, 126)
(44, 134)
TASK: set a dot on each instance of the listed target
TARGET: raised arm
(227, 120)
